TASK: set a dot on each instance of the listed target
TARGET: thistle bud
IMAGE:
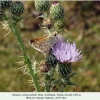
(17, 8)
(42, 5)
(56, 11)
(51, 60)
(64, 69)
(59, 24)
(5, 3)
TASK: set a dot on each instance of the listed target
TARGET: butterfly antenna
(26, 17)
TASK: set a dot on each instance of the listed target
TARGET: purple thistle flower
(66, 52)
(55, 2)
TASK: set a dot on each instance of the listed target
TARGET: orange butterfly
(43, 44)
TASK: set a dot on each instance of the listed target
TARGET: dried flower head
(44, 67)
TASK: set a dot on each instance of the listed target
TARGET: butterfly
(43, 44)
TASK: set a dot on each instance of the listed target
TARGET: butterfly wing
(38, 43)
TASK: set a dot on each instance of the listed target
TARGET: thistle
(5, 3)
(42, 5)
(17, 8)
(65, 53)
(59, 54)
(64, 69)
(56, 11)
(59, 24)
(51, 60)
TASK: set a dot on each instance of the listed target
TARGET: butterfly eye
(31, 41)
(55, 35)
(50, 50)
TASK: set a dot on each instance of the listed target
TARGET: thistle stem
(47, 83)
(48, 80)
(27, 61)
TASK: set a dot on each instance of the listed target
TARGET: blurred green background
(83, 27)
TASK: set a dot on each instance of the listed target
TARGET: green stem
(47, 83)
(27, 61)
(48, 79)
